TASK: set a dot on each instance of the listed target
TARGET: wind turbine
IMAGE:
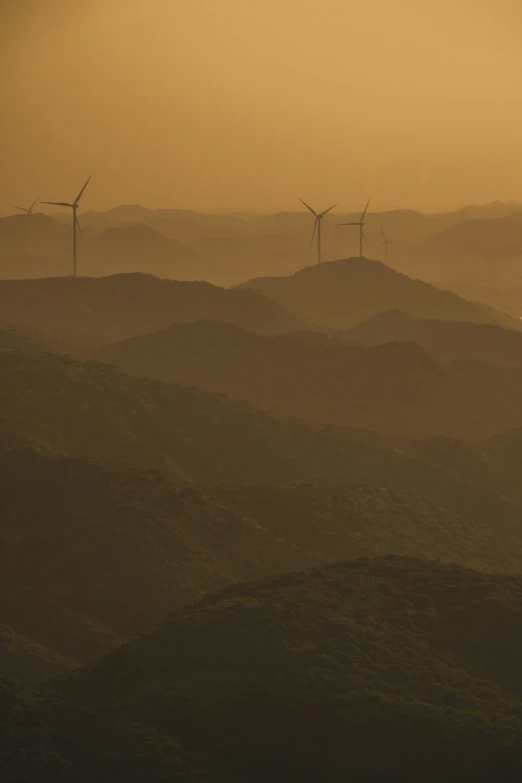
(317, 225)
(29, 212)
(385, 244)
(360, 223)
(76, 222)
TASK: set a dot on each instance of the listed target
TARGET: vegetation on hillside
(94, 554)
(61, 406)
(390, 669)
(124, 305)
(331, 380)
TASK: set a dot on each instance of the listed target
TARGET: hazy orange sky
(246, 104)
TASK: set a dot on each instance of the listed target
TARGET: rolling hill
(395, 388)
(120, 306)
(338, 655)
(58, 405)
(392, 669)
(444, 340)
(340, 294)
(96, 553)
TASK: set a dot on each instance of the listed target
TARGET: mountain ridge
(340, 294)
(444, 340)
(329, 380)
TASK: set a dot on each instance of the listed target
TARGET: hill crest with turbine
(228, 249)
(340, 294)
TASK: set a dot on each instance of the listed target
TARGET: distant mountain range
(444, 340)
(340, 294)
(227, 249)
(471, 257)
(494, 239)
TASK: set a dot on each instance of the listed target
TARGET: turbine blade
(380, 247)
(327, 210)
(382, 231)
(57, 203)
(366, 207)
(32, 205)
(365, 240)
(348, 224)
(391, 243)
(79, 227)
(78, 197)
(315, 226)
(310, 208)
(22, 209)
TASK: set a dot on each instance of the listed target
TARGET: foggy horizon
(339, 209)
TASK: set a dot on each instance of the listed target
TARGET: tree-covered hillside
(61, 406)
(96, 553)
(387, 669)
(395, 388)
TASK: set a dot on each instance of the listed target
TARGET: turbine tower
(360, 223)
(317, 225)
(76, 222)
(385, 244)
(29, 212)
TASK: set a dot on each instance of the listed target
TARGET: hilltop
(123, 305)
(340, 294)
(395, 388)
(444, 340)
(301, 677)
(96, 553)
(426, 650)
